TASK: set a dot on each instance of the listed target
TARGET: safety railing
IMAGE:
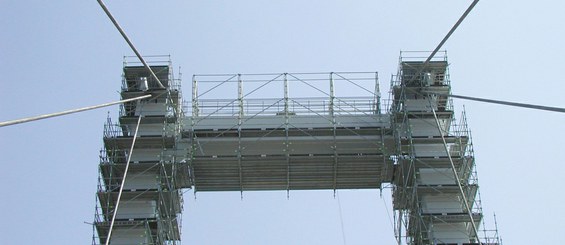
(144, 83)
(422, 55)
(112, 130)
(150, 59)
(424, 79)
(490, 236)
(280, 107)
(344, 92)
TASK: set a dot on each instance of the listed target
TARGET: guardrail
(281, 107)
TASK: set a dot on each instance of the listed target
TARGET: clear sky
(57, 55)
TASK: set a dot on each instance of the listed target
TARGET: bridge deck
(290, 152)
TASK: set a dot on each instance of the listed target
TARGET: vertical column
(239, 123)
(151, 203)
(286, 127)
(334, 129)
(194, 98)
(377, 109)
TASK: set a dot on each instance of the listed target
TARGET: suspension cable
(35, 118)
(129, 42)
(444, 40)
(502, 102)
(452, 30)
(123, 181)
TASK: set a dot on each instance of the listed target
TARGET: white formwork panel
(420, 127)
(436, 176)
(137, 209)
(143, 181)
(457, 233)
(146, 129)
(420, 104)
(441, 203)
(129, 236)
(146, 155)
(437, 150)
(429, 150)
(152, 109)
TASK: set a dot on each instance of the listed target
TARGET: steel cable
(35, 118)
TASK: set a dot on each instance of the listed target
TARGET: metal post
(239, 122)
(286, 127)
(332, 96)
(194, 98)
(377, 95)
(285, 87)
(334, 129)
(240, 97)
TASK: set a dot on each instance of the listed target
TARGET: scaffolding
(258, 140)
(291, 131)
(435, 188)
(151, 203)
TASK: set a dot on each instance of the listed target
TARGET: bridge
(289, 131)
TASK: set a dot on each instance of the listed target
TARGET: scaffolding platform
(330, 141)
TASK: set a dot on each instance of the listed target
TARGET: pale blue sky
(57, 55)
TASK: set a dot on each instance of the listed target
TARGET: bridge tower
(151, 201)
(435, 186)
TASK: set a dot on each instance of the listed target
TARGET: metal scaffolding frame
(291, 131)
(435, 188)
(151, 204)
(264, 141)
